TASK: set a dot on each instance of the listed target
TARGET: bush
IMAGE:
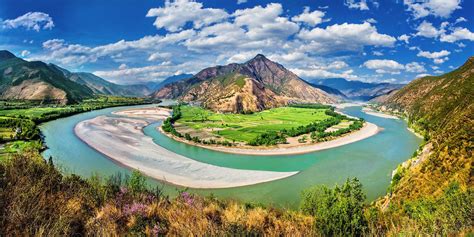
(338, 211)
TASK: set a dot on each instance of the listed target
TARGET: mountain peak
(5, 54)
(260, 57)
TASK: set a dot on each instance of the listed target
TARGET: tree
(137, 182)
(338, 211)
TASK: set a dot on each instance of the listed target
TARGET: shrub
(338, 211)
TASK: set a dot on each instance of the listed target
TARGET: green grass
(31, 113)
(245, 127)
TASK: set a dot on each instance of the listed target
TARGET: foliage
(21, 118)
(338, 211)
(36, 199)
(441, 108)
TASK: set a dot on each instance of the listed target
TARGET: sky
(137, 41)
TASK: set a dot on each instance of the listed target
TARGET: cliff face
(252, 86)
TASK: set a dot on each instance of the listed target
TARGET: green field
(245, 127)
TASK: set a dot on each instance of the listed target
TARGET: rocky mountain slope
(20, 79)
(442, 108)
(358, 90)
(252, 86)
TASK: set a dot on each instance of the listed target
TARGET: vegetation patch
(269, 127)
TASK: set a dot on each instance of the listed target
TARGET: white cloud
(405, 38)
(426, 29)
(159, 56)
(354, 4)
(422, 75)
(309, 73)
(344, 37)
(31, 20)
(458, 34)
(371, 20)
(265, 22)
(437, 8)
(377, 53)
(25, 53)
(122, 66)
(174, 15)
(437, 57)
(415, 67)
(460, 19)
(241, 1)
(384, 66)
(311, 18)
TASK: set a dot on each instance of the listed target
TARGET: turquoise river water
(371, 160)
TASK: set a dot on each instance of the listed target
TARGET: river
(371, 160)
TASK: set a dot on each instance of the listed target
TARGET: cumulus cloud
(426, 29)
(350, 37)
(384, 66)
(214, 36)
(25, 53)
(437, 57)
(458, 34)
(175, 14)
(241, 1)
(415, 67)
(265, 22)
(31, 21)
(354, 4)
(311, 18)
(437, 8)
(405, 38)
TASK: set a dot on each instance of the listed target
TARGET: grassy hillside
(20, 79)
(442, 108)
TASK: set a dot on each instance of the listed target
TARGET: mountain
(101, 86)
(255, 85)
(154, 86)
(442, 108)
(20, 79)
(358, 90)
(334, 92)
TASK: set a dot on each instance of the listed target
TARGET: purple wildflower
(188, 198)
(134, 209)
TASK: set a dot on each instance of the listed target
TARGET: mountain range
(357, 90)
(255, 85)
(251, 86)
(441, 108)
(20, 79)
(36, 80)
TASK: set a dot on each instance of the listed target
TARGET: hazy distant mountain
(358, 90)
(101, 86)
(20, 79)
(252, 86)
(158, 85)
(334, 92)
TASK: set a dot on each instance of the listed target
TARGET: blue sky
(133, 41)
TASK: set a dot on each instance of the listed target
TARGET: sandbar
(122, 140)
(378, 114)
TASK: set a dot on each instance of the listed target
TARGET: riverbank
(378, 114)
(368, 130)
(123, 141)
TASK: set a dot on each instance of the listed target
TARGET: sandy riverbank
(368, 130)
(122, 140)
(378, 114)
